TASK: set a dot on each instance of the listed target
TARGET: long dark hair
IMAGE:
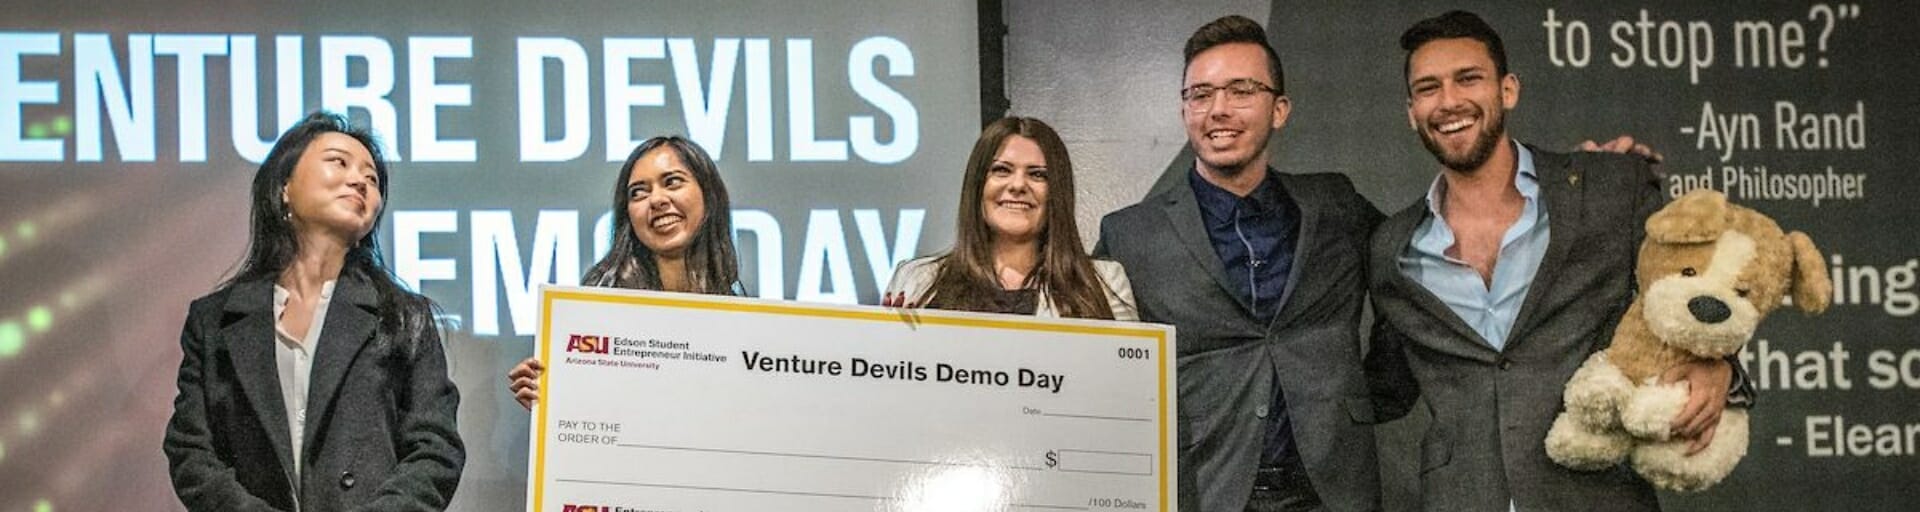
(966, 279)
(712, 267)
(272, 243)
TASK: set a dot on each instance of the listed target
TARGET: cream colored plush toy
(1708, 272)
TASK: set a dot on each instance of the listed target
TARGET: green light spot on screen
(63, 126)
(39, 319)
(37, 131)
(27, 229)
(3, 246)
(11, 339)
(43, 506)
(29, 422)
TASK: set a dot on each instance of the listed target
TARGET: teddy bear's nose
(1708, 309)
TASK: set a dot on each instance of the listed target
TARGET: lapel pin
(1573, 179)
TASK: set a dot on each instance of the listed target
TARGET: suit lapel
(1183, 211)
(250, 342)
(1304, 240)
(1400, 230)
(1561, 196)
(350, 324)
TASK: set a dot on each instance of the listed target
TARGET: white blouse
(294, 357)
(915, 278)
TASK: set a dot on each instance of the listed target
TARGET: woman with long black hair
(312, 380)
(675, 234)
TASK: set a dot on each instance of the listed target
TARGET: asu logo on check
(591, 345)
(638, 353)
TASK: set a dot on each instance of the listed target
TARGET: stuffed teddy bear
(1707, 273)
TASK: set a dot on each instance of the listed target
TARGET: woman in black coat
(313, 380)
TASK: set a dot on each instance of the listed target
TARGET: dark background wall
(1836, 427)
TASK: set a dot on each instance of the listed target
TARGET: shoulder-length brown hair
(711, 264)
(966, 279)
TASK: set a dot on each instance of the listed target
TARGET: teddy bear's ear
(1812, 289)
(1700, 216)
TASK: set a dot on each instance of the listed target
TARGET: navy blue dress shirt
(1254, 238)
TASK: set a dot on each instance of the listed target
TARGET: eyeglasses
(1240, 94)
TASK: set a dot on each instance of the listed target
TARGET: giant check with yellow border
(687, 403)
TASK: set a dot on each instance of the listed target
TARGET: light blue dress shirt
(1489, 309)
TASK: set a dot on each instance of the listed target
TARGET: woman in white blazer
(1017, 248)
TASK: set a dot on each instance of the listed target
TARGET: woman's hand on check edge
(524, 381)
(896, 300)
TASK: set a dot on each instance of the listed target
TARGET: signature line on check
(1094, 417)
(786, 493)
(820, 456)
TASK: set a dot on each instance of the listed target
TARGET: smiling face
(1457, 101)
(664, 203)
(334, 188)
(1228, 140)
(1013, 201)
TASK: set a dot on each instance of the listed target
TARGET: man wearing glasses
(1263, 275)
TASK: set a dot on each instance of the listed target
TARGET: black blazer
(380, 433)
(1229, 360)
(1491, 409)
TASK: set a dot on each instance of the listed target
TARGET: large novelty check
(686, 403)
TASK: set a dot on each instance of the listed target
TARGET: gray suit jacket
(380, 433)
(1228, 360)
(1491, 409)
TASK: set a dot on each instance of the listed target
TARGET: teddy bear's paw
(1573, 445)
(1596, 392)
(1667, 465)
(1650, 410)
(1682, 475)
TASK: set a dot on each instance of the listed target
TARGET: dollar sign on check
(1053, 458)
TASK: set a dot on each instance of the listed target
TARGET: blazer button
(346, 480)
(1260, 412)
(1506, 364)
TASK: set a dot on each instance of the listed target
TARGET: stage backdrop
(1837, 427)
(129, 131)
(1803, 110)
